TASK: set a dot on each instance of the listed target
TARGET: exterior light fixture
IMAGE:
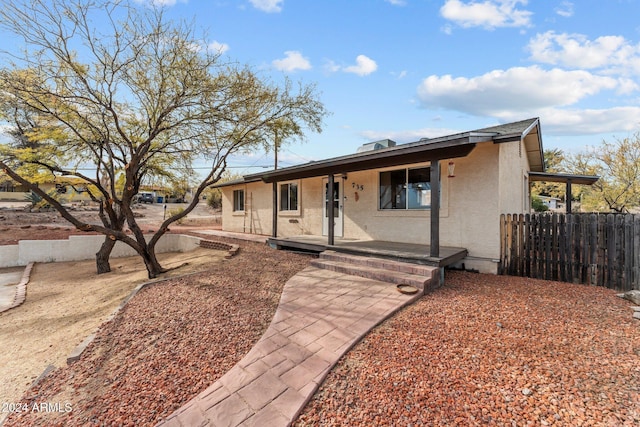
(451, 168)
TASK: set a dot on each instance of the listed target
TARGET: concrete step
(386, 264)
(364, 267)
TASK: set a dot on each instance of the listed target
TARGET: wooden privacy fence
(596, 249)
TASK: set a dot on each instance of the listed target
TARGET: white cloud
(613, 53)
(268, 5)
(570, 122)
(488, 14)
(517, 93)
(515, 89)
(565, 9)
(218, 47)
(397, 2)
(364, 66)
(399, 74)
(293, 61)
(330, 66)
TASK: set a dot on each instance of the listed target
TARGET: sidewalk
(321, 315)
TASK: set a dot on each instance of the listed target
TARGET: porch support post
(330, 211)
(567, 196)
(435, 209)
(274, 217)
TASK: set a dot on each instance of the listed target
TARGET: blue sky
(407, 69)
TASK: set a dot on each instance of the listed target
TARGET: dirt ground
(66, 302)
(16, 223)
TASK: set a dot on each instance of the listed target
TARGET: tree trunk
(102, 256)
(151, 262)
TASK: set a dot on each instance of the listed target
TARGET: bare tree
(130, 96)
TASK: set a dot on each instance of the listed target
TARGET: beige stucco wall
(488, 182)
(257, 216)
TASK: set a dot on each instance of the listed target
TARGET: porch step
(421, 276)
(383, 263)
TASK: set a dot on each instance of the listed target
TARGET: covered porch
(434, 151)
(397, 251)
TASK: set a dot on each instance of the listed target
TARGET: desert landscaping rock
(438, 363)
(633, 296)
(462, 355)
(172, 340)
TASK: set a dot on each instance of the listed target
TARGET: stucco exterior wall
(488, 182)
(514, 189)
(257, 216)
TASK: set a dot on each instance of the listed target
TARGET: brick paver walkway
(321, 315)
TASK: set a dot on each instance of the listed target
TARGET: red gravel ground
(482, 350)
(487, 350)
(170, 342)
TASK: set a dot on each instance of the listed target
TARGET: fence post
(628, 252)
(569, 247)
(611, 250)
(602, 249)
(528, 239)
(504, 255)
(636, 253)
(593, 250)
(554, 247)
(562, 247)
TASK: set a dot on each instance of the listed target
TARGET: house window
(405, 189)
(238, 200)
(289, 197)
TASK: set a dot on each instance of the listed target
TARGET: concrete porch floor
(407, 252)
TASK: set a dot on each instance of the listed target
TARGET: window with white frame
(238, 200)
(289, 196)
(405, 189)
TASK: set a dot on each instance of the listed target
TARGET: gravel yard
(482, 350)
(487, 350)
(171, 341)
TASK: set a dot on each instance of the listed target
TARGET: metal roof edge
(563, 177)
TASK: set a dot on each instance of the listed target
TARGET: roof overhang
(417, 152)
(563, 177)
(531, 137)
(424, 150)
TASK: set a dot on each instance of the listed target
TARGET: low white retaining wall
(78, 248)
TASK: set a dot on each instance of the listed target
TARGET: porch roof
(445, 147)
(563, 177)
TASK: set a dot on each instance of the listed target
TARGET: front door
(338, 223)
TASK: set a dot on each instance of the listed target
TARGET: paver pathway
(321, 315)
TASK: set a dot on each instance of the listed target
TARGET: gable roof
(426, 149)
(529, 132)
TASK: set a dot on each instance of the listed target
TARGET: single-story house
(438, 198)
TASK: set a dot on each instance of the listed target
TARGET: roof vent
(376, 145)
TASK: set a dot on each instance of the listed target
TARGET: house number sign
(357, 187)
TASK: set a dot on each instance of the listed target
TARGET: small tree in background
(617, 164)
(129, 101)
(554, 160)
(538, 205)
